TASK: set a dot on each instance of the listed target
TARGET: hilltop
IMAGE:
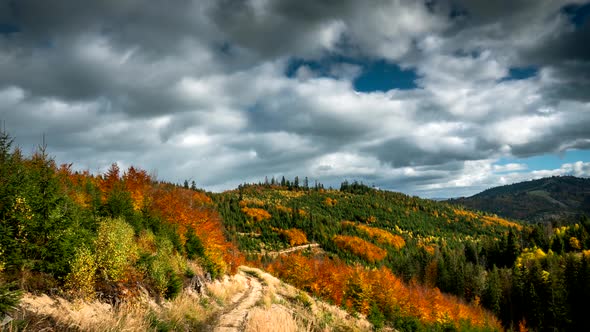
(543, 200)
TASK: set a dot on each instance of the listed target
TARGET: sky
(430, 98)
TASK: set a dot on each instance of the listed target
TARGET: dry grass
(227, 290)
(41, 312)
(289, 304)
(274, 319)
(187, 312)
(281, 308)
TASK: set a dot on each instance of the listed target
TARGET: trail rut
(234, 318)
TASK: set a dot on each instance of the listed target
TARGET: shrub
(174, 286)
(115, 248)
(82, 277)
(158, 271)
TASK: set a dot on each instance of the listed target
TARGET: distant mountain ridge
(563, 198)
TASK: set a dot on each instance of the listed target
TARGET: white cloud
(510, 167)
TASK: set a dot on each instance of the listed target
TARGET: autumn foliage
(256, 214)
(359, 289)
(192, 211)
(138, 184)
(360, 247)
(487, 220)
(295, 236)
(187, 210)
(380, 235)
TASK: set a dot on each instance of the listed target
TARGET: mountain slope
(543, 200)
(374, 252)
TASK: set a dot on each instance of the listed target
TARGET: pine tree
(493, 291)
(11, 183)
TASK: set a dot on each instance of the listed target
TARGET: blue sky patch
(548, 161)
(577, 14)
(384, 76)
(375, 75)
(7, 28)
(521, 73)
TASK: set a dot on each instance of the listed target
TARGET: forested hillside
(113, 237)
(413, 263)
(400, 261)
(558, 198)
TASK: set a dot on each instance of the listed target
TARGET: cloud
(199, 89)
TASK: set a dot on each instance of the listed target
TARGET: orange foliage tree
(380, 235)
(358, 288)
(193, 211)
(137, 183)
(295, 236)
(360, 247)
(74, 183)
(257, 214)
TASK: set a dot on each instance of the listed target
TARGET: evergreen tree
(493, 292)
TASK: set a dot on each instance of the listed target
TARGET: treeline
(516, 271)
(104, 235)
(283, 183)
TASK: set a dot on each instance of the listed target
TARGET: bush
(115, 248)
(82, 277)
(164, 268)
(376, 317)
(158, 272)
(174, 286)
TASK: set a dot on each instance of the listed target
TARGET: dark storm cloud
(156, 27)
(401, 152)
(278, 27)
(544, 33)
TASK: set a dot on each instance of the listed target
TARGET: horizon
(433, 99)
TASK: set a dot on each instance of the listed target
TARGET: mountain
(542, 200)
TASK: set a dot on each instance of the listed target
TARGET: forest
(107, 236)
(401, 261)
(488, 272)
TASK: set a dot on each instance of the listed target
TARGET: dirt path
(233, 319)
(292, 249)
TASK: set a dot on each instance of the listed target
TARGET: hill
(123, 251)
(410, 263)
(543, 200)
